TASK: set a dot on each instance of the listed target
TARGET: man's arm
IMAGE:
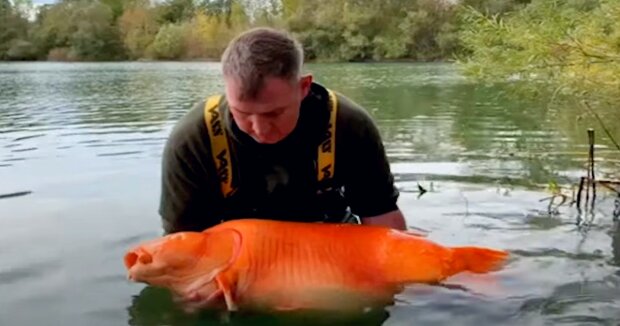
(188, 201)
(179, 192)
(369, 183)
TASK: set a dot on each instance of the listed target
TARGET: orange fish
(262, 264)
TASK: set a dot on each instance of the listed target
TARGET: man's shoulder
(350, 113)
(349, 109)
(189, 129)
(353, 118)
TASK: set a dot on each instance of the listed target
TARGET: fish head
(183, 261)
(161, 260)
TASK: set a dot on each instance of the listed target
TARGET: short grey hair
(259, 53)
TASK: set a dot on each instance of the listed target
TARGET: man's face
(273, 114)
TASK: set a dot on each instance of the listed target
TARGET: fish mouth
(130, 260)
(138, 262)
(137, 256)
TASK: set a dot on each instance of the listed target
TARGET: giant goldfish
(275, 265)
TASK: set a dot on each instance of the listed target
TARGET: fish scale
(307, 271)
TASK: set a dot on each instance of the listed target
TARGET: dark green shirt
(276, 181)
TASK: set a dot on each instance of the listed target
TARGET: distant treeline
(330, 30)
(565, 51)
(562, 47)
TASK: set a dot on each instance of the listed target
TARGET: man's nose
(136, 256)
(261, 126)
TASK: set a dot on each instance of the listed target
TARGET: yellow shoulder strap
(221, 152)
(219, 144)
(327, 148)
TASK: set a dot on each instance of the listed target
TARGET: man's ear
(304, 83)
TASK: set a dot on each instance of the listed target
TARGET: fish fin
(476, 259)
(227, 291)
(195, 301)
(222, 248)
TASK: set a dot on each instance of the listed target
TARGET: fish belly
(322, 274)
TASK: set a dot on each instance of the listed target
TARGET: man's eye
(240, 113)
(275, 113)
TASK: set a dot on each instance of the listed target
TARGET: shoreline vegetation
(564, 51)
(216, 60)
(199, 30)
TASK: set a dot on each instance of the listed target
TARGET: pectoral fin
(222, 248)
(227, 291)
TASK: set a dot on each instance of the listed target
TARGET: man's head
(264, 85)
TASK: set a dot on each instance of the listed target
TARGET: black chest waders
(325, 165)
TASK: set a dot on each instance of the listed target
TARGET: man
(275, 145)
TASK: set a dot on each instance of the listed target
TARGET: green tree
(169, 42)
(13, 33)
(563, 47)
(117, 7)
(176, 11)
(564, 51)
(138, 27)
(78, 29)
(95, 36)
(333, 30)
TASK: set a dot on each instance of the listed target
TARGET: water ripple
(125, 242)
(552, 252)
(567, 303)
(88, 137)
(32, 271)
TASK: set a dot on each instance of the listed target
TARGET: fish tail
(477, 259)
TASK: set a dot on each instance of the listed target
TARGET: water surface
(80, 150)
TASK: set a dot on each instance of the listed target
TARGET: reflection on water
(154, 306)
(578, 302)
(80, 149)
(581, 302)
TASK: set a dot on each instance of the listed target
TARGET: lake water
(80, 148)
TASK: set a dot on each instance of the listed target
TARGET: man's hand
(393, 219)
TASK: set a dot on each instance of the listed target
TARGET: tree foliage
(561, 49)
(14, 42)
(565, 52)
(342, 30)
(565, 49)
(138, 28)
